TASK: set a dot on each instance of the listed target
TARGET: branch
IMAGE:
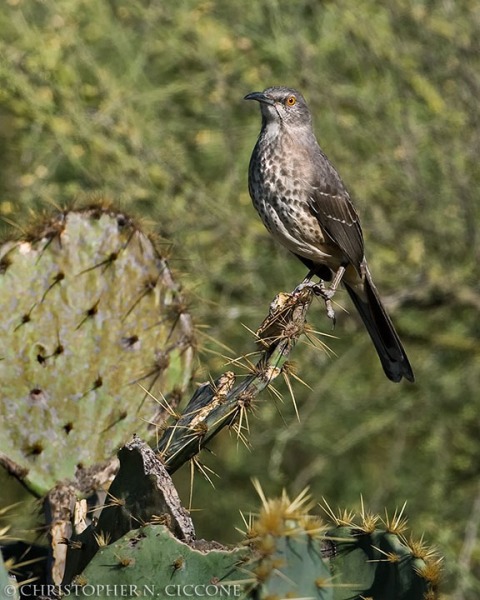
(219, 404)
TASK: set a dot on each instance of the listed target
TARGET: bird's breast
(280, 191)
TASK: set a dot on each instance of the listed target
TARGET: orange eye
(291, 101)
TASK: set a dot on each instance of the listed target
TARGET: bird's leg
(306, 283)
(309, 275)
(336, 282)
(319, 289)
(328, 294)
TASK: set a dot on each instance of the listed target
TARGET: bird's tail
(380, 328)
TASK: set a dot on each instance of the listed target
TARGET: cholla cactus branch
(219, 404)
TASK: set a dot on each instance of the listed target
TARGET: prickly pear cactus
(301, 555)
(287, 553)
(295, 566)
(8, 587)
(380, 564)
(150, 561)
(89, 310)
(290, 557)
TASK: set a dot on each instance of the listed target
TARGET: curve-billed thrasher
(305, 206)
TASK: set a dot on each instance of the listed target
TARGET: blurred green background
(142, 102)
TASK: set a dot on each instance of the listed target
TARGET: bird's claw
(327, 296)
(305, 285)
(320, 290)
(330, 312)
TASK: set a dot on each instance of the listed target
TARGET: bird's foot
(320, 290)
(327, 295)
(306, 284)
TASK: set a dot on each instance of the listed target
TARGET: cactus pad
(88, 309)
(378, 564)
(298, 555)
(151, 561)
(7, 583)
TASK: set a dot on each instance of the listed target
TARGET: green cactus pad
(89, 309)
(297, 555)
(288, 553)
(8, 586)
(379, 564)
(297, 569)
(152, 561)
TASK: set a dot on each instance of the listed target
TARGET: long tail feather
(380, 327)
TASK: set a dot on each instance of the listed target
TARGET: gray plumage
(305, 206)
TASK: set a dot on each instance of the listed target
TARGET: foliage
(143, 100)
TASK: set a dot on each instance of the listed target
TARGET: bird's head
(282, 105)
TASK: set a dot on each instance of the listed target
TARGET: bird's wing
(338, 218)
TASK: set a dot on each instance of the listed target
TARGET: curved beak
(259, 97)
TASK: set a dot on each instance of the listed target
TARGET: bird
(305, 205)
